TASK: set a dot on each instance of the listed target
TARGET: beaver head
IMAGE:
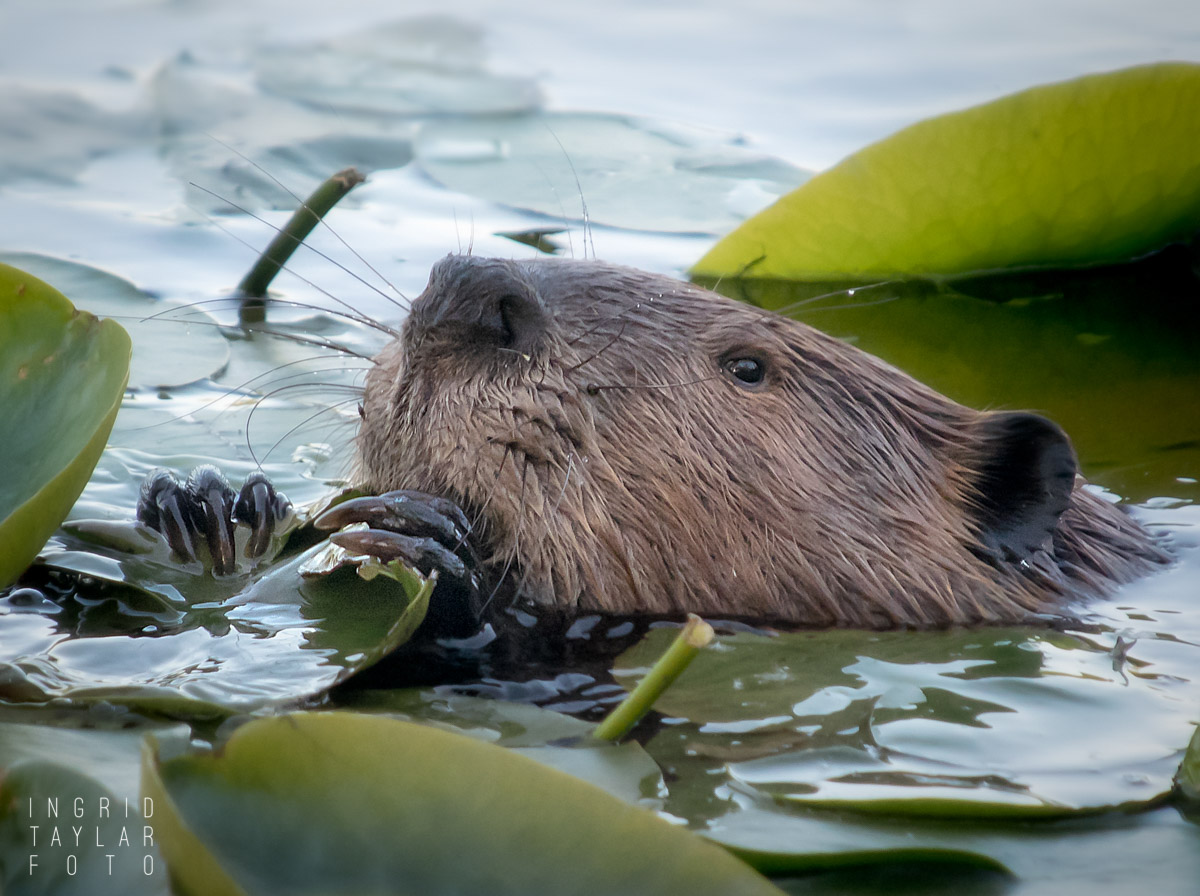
(629, 443)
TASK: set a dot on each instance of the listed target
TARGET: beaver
(597, 438)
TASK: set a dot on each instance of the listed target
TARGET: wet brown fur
(613, 464)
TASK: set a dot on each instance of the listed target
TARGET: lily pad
(624, 770)
(172, 345)
(1156, 851)
(563, 165)
(62, 375)
(417, 65)
(918, 724)
(60, 133)
(1102, 168)
(207, 647)
(400, 807)
(63, 833)
(102, 742)
(240, 149)
(69, 793)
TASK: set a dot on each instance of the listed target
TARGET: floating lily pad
(855, 781)
(239, 149)
(62, 375)
(933, 724)
(777, 842)
(103, 742)
(213, 648)
(241, 410)
(1099, 169)
(59, 134)
(624, 770)
(399, 807)
(1158, 851)
(498, 721)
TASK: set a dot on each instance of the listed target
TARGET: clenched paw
(198, 517)
(420, 530)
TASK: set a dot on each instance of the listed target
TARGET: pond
(148, 148)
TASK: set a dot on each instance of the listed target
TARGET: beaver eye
(747, 371)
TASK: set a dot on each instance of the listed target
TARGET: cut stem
(695, 634)
(253, 287)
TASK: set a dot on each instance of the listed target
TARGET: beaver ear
(1023, 480)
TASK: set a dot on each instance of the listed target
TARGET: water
(673, 121)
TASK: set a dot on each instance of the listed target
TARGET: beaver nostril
(522, 320)
(509, 308)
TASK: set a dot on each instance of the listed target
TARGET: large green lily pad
(1099, 169)
(62, 375)
(340, 802)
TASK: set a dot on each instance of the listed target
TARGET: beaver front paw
(206, 507)
(419, 530)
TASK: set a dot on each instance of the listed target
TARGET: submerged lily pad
(1098, 169)
(563, 166)
(421, 64)
(399, 807)
(62, 375)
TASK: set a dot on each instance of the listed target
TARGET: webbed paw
(198, 517)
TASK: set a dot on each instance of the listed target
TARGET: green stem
(254, 285)
(695, 634)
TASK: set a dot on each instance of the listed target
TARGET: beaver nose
(486, 301)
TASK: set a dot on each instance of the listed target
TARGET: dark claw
(212, 515)
(408, 512)
(423, 553)
(261, 508)
(163, 506)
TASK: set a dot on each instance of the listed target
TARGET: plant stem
(253, 288)
(695, 634)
